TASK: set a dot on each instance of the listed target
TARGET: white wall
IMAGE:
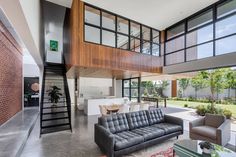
(30, 70)
(71, 84)
(94, 87)
(205, 93)
(31, 11)
(167, 91)
(24, 16)
(119, 88)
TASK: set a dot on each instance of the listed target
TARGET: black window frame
(212, 7)
(130, 88)
(120, 33)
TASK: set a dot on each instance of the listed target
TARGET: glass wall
(105, 28)
(131, 89)
(208, 33)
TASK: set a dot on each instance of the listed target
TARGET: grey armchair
(212, 128)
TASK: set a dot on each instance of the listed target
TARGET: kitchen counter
(91, 106)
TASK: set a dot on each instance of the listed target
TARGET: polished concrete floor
(15, 132)
(80, 143)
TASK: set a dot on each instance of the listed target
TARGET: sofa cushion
(168, 127)
(155, 116)
(115, 123)
(127, 139)
(214, 120)
(149, 132)
(206, 131)
(137, 119)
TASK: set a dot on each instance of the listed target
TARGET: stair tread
(54, 112)
(51, 130)
(55, 125)
(58, 118)
(54, 107)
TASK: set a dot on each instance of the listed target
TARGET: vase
(207, 151)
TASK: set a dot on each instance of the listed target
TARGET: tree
(198, 83)
(215, 79)
(231, 81)
(183, 84)
(162, 86)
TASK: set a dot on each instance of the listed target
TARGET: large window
(131, 89)
(208, 33)
(103, 27)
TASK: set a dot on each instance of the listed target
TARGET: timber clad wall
(10, 75)
(84, 54)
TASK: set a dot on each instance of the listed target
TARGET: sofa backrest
(137, 119)
(115, 123)
(155, 116)
(214, 120)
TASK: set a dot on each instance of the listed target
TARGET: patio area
(188, 115)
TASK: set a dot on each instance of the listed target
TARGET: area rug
(166, 153)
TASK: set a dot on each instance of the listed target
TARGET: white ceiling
(158, 14)
(65, 3)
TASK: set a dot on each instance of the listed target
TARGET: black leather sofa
(121, 134)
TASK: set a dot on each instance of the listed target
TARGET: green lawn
(232, 108)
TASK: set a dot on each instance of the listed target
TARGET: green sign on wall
(53, 45)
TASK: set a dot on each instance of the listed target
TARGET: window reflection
(226, 45)
(122, 25)
(135, 44)
(200, 36)
(173, 32)
(92, 34)
(199, 52)
(135, 30)
(108, 21)
(226, 26)
(122, 41)
(146, 33)
(92, 16)
(146, 48)
(108, 38)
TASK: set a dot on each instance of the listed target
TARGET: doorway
(31, 91)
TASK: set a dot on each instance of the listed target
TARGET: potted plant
(206, 147)
(54, 94)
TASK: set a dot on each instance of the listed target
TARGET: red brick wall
(10, 75)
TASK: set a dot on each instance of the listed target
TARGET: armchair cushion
(205, 131)
(127, 139)
(168, 128)
(214, 120)
(149, 132)
(115, 123)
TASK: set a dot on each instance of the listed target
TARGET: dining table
(112, 109)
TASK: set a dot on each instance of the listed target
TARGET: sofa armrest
(195, 123)
(104, 139)
(174, 120)
(223, 132)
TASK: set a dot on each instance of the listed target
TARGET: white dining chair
(103, 110)
(144, 106)
(124, 108)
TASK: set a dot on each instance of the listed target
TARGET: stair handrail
(67, 93)
(41, 100)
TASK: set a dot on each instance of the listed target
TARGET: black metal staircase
(55, 118)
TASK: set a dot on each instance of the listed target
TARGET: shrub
(227, 113)
(201, 110)
(185, 105)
